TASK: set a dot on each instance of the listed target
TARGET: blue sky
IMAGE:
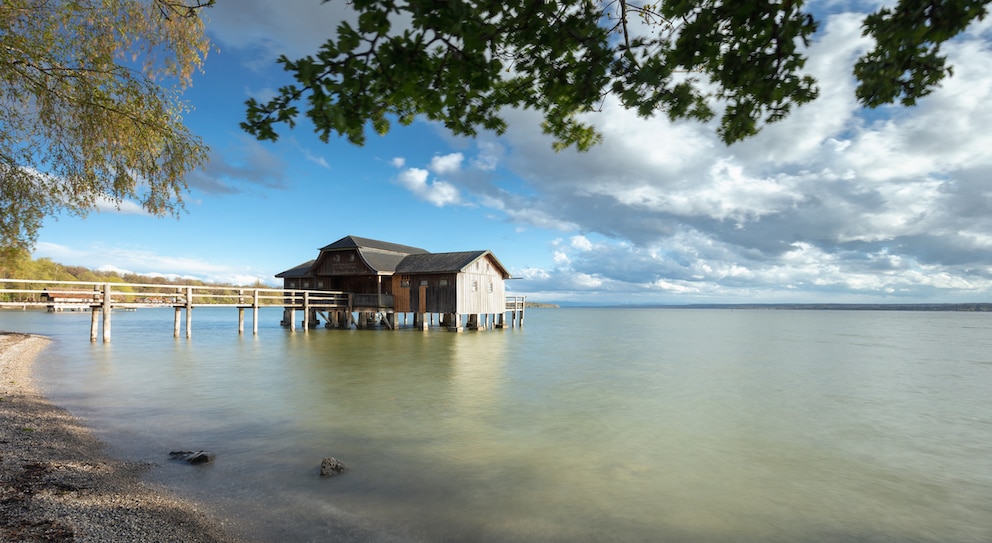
(835, 204)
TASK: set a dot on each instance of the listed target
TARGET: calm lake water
(587, 425)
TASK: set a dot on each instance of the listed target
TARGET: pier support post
(106, 313)
(420, 321)
(455, 322)
(254, 313)
(179, 311)
(94, 323)
(241, 320)
(475, 322)
(306, 311)
(189, 312)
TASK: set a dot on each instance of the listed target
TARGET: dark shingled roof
(301, 270)
(352, 242)
(389, 258)
(445, 262)
(438, 262)
(382, 261)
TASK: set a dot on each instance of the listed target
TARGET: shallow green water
(585, 425)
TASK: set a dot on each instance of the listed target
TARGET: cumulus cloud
(447, 164)
(436, 192)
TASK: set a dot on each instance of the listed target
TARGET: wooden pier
(337, 309)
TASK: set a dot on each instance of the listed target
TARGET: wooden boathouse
(387, 281)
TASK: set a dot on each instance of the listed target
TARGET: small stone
(197, 457)
(330, 467)
(201, 457)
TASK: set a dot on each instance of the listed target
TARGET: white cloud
(438, 193)
(447, 164)
(143, 262)
(581, 243)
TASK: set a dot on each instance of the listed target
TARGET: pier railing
(103, 297)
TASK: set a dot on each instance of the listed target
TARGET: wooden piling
(189, 312)
(254, 313)
(94, 324)
(106, 313)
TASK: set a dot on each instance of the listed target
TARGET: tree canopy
(461, 63)
(90, 108)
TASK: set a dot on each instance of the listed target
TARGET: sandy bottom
(57, 483)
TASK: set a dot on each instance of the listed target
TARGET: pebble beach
(57, 484)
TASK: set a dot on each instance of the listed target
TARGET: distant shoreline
(977, 307)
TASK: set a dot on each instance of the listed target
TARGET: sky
(834, 204)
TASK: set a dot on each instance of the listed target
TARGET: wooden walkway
(101, 299)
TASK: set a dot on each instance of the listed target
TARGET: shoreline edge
(58, 485)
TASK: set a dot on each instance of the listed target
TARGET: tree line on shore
(45, 270)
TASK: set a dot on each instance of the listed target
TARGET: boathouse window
(404, 283)
(337, 258)
(320, 284)
(442, 282)
(475, 286)
(423, 282)
(351, 258)
(490, 288)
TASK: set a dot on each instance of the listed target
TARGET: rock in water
(197, 457)
(330, 466)
(200, 457)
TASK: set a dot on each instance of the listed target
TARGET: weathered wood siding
(401, 294)
(347, 271)
(481, 289)
(426, 293)
(342, 263)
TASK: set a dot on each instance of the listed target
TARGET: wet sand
(57, 484)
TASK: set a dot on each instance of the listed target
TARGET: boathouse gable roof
(355, 242)
(385, 258)
(446, 262)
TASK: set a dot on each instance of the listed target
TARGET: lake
(585, 425)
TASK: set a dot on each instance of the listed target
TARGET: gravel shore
(57, 484)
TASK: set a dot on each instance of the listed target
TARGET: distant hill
(44, 269)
